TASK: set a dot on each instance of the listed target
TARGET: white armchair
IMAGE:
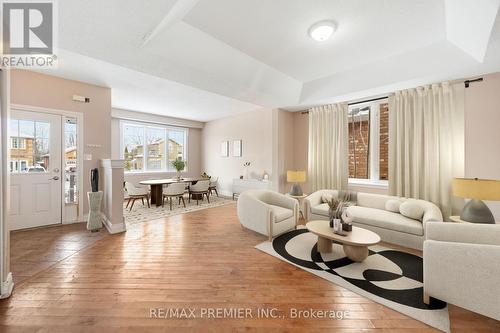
(267, 212)
(462, 266)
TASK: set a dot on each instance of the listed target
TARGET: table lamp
(475, 210)
(296, 177)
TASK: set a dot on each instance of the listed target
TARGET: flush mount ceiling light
(322, 30)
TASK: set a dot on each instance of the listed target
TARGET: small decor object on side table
(265, 177)
(179, 165)
(245, 169)
(94, 220)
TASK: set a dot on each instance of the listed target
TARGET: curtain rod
(359, 102)
(466, 83)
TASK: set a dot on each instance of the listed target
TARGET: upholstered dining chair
(198, 190)
(213, 186)
(175, 190)
(135, 193)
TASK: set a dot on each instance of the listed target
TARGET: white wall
(482, 132)
(255, 129)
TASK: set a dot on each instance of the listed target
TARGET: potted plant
(179, 165)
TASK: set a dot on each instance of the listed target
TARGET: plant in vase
(179, 165)
(245, 168)
(333, 205)
(336, 212)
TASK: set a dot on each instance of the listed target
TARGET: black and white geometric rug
(389, 277)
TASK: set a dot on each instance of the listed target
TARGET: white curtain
(426, 142)
(328, 147)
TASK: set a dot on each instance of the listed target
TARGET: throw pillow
(393, 205)
(412, 210)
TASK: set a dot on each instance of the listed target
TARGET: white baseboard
(228, 194)
(113, 228)
(82, 220)
(7, 287)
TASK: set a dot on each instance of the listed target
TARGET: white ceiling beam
(180, 9)
(469, 24)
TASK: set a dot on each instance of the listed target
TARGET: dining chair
(213, 186)
(174, 190)
(199, 190)
(135, 193)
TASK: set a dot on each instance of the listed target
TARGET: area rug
(390, 277)
(141, 213)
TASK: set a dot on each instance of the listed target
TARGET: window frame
(166, 129)
(373, 147)
(20, 142)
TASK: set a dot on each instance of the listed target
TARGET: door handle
(54, 178)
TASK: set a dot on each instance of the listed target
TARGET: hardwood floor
(35, 250)
(203, 259)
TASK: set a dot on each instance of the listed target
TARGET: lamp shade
(296, 176)
(473, 188)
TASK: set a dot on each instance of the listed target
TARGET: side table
(300, 199)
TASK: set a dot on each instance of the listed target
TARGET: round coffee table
(355, 243)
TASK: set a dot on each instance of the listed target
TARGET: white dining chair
(174, 190)
(198, 190)
(213, 186)
(135, 193)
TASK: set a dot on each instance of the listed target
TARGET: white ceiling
(207, 59)
(275, 32)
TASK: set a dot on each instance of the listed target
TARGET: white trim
(368, 183)
(374, 146)
(7, 287)
(154, 118)
(113, 228)
(79, 150)
(113, 164)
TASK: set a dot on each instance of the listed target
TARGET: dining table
(156, 186)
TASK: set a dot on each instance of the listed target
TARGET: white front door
(35, 169)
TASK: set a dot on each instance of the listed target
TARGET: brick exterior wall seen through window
(359, 142)
(384, 142)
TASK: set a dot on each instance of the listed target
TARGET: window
(368, 142)
(163, 145)
(17, 143)
(29, 146)
(70, 161)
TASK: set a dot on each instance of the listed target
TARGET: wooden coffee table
(355, 244)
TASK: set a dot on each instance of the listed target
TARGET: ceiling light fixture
(322, 30)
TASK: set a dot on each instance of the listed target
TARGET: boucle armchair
(267, 212)
(462, 266)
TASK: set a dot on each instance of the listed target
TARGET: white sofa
(267, 212)
(370, 213)
(462, 265)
